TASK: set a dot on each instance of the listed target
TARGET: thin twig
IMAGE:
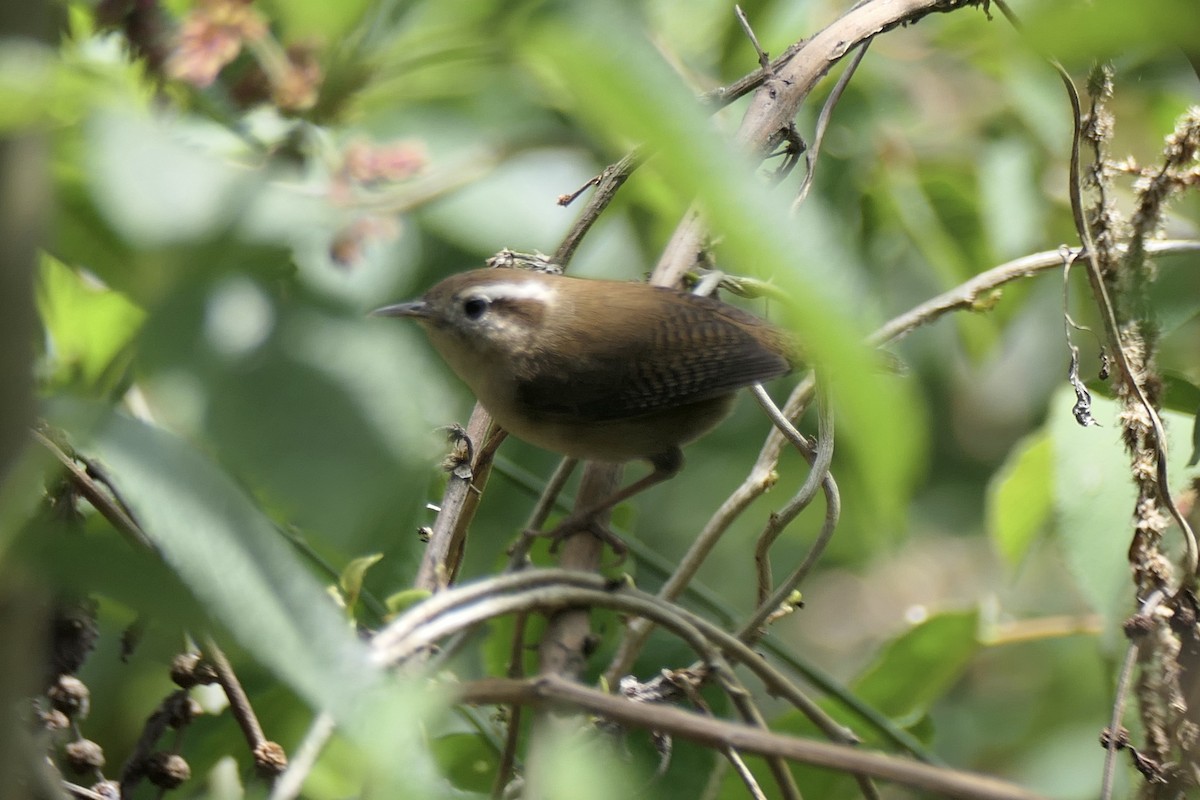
(1121, 693)
(607, 183)
(82, 792)
(133, 771)
(751, 715)
(810, 155)
(239, 703)
(743, 772)
(508, 757)
(782, 90)
(967, 294)
(457, 609)
(760, 478)
(108, 503)
(537, 518)
(290, 783)
(819, 459)
(764, 63)
(456, 509)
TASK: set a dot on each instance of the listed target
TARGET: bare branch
(716, 733)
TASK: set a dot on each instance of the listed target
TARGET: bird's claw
(576, 524)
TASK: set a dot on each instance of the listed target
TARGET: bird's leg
(665, 464)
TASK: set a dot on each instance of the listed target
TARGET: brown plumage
(600, 370)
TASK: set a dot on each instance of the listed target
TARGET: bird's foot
(583, 523)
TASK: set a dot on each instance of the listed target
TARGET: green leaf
(154, 188)
(351, 579)
(226, 551)
(466, 760)
(920, 665)
(1111, 28)
(1020, 498)
(88, 326)
(1179, 393)
(245, 575)
(308, 19)
(27, 74)
(1094, 498)
(403, 600)
(907, 676)
(1195, 457)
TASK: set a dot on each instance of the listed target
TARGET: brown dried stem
(551, 690)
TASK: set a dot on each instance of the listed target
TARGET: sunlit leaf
(88, 326)
(1094, 498)
(1020, 498)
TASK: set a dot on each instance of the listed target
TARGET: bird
(599, 370)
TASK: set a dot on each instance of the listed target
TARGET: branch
(549, 690)
(464, 487)
(785, 86)
(967, 295)
(543, 590)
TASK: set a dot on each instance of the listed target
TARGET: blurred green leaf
(56, 89)
(919, 666)
(88, 327)
(1020, 498)
(1195, 457)
(96, 560)
(230, 555)
(314, 410)
(907, 676)
(1175, 293)
(1093, 503)
(352, 577)
(325, 22)
(1094, 498)
(154, 188)
(252, 581)
(402, 601)
(27, 75)
(1180, 393)
(1012, 205)
(467, 761)
(1110, 28)
(576, 763)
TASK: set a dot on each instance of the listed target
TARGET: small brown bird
(595, 369)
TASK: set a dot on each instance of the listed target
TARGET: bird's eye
(474, 307)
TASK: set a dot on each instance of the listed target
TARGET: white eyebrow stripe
(525, 290)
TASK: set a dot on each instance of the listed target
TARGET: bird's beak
(417, 308)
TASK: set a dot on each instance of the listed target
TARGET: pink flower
(211, 36)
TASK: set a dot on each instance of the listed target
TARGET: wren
(597, 369)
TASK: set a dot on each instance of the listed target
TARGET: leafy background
(206, 264)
